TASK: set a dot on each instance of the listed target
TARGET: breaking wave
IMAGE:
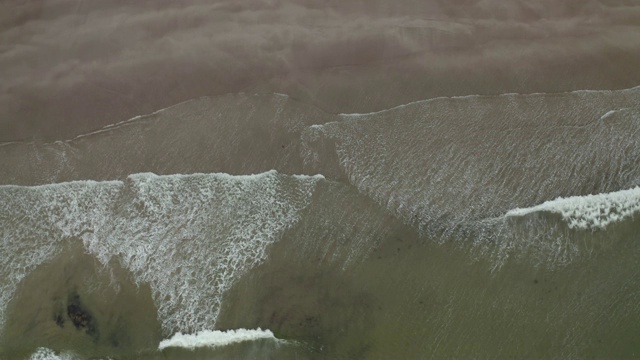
(589, 212)
(44, 353)
(188, 236)
(216, 338)
(448, 166)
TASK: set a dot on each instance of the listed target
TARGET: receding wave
(475, 96)
(440, 165)
(216, 338)
(447, 165)
(234, 133)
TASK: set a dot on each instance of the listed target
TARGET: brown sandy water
(440, 130)
(414, 299)
(401, 296)
(70, 67)
(380, 258)
(119, 318)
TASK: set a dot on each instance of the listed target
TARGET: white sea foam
(608, 113)
(208, 338)
(477, 96)
(417, 102)
(43, 353)
(47, 354)
(444, 165)
(35, 220)
(590, 211)
(188, 236)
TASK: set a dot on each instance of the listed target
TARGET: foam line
(475, 96)
(343, 115)
(131, 120)
(43, 353)
(216, 338)
(590, 211)
(190, 237)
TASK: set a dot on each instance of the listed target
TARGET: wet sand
(70, 67)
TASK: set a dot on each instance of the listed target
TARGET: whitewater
(512, 180)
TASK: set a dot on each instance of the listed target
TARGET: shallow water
(389, 254)
(348, 196)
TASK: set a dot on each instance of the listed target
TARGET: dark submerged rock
(59, 319)
(58, 313)
(80, 317)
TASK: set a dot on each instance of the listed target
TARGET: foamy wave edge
(488, 96)
(589, 212)
(43, 353)
(216, 338)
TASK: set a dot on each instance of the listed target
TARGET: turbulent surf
(512, 186)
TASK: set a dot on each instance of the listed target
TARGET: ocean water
(259, 226)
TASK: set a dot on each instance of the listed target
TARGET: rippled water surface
(323, 181)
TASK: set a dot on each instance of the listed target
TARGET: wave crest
(591, 211)
(216, 338)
